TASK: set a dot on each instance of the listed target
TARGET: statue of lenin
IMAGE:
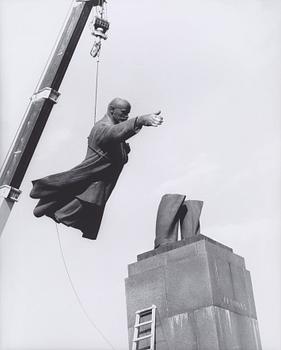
(77, 197)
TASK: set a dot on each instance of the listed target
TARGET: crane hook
(99, 28)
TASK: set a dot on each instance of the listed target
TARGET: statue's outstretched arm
(116, 133)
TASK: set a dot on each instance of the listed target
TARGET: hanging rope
(77, 295)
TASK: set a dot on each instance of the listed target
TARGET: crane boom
(40, 106)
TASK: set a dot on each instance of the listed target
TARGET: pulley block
(100, 27)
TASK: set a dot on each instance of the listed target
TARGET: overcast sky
(213, 68)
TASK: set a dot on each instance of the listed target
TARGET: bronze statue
(77, 197)
(173, 211)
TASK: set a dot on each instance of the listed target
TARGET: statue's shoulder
(99, 128)
(103, 122)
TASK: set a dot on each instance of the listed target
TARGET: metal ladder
(137, 339)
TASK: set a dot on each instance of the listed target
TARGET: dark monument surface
(203, 294)
(175, 212)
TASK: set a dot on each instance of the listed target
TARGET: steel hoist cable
(96, 88)
(77, 295)
(98, 26)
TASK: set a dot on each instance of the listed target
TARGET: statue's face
(120, 113)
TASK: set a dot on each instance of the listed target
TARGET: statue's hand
(154, 119)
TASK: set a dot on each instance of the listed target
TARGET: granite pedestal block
(203, 294)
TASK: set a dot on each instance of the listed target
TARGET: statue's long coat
(77, 197)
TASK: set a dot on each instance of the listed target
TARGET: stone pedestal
(203, 294)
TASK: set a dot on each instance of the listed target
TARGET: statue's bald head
(119, 103)
(119, 109)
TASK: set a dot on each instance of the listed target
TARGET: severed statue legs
(175, 211)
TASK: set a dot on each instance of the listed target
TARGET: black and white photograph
(140, 181)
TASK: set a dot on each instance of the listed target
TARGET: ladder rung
(146, 310)
(143, 323)
(142, 338)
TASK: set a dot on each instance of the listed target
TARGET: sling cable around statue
(77, 197)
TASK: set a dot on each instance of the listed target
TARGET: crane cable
(96, 88)
(77, 295)
(98, 26)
